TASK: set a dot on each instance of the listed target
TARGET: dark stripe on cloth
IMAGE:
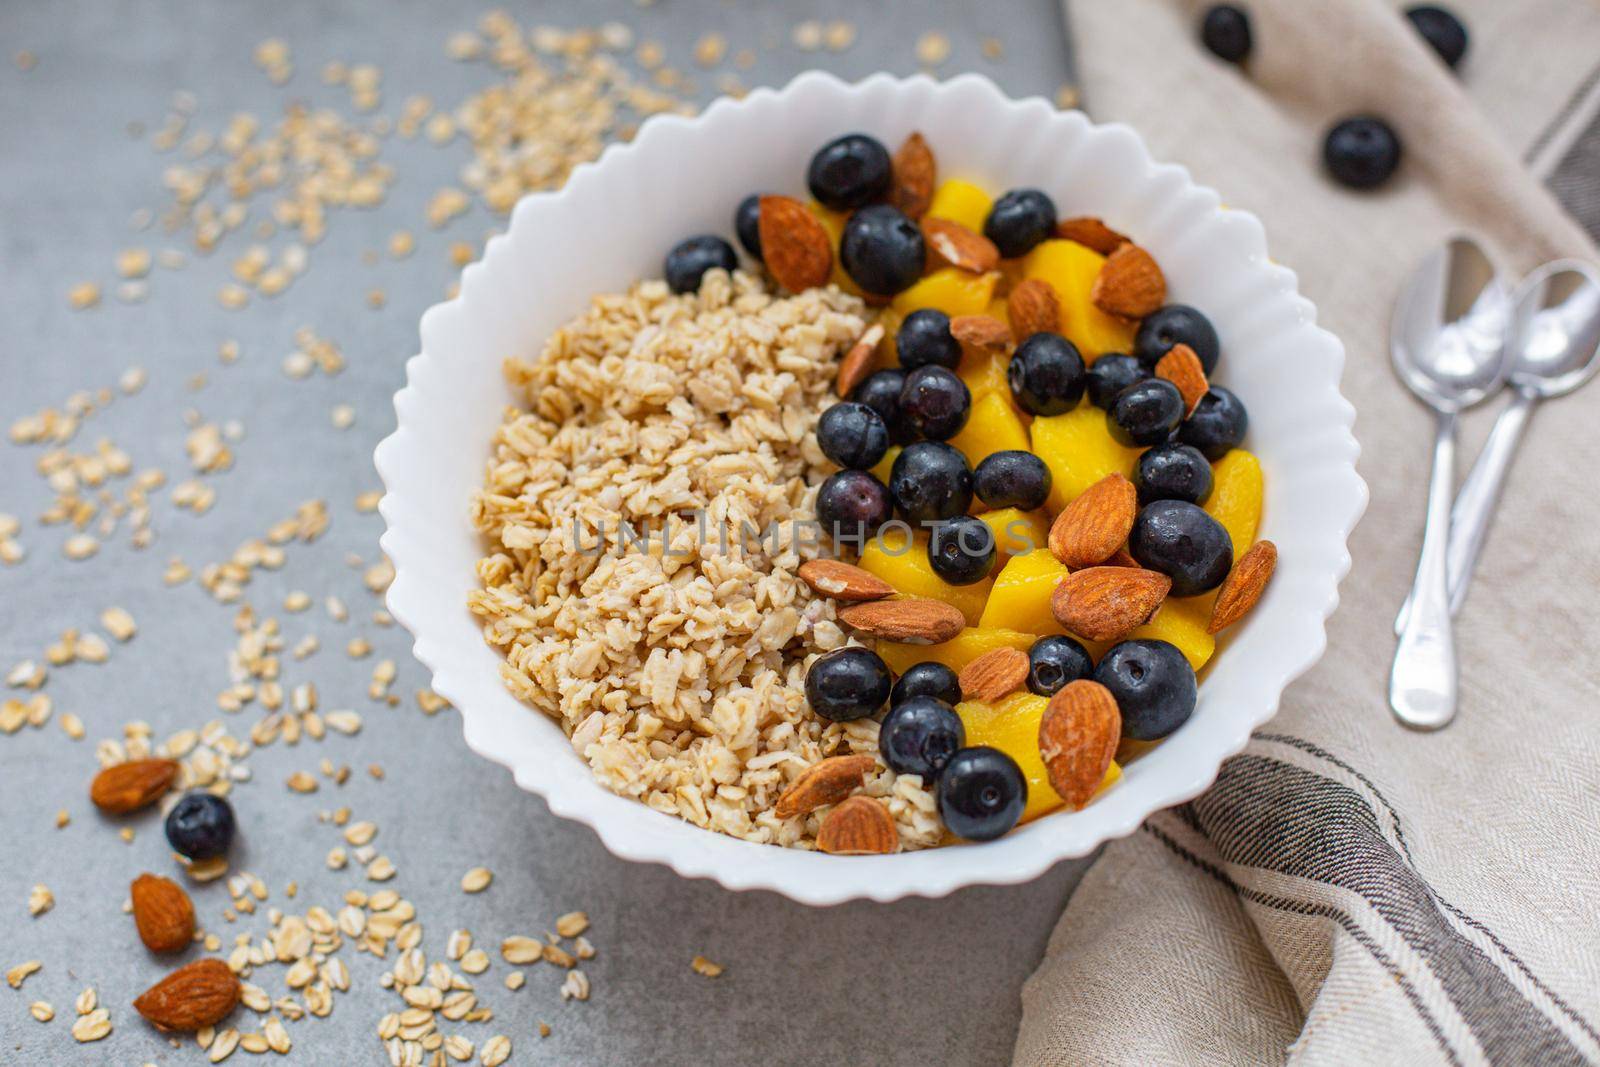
(1576, 179)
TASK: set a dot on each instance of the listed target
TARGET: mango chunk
(1016, 532)
(992, 427)
(954, 292)
(833, 222)
(1079, 452)
(1020, 599)
(1071, 269)
(906, 567)
(1235, 501)
(985, 373)
(886, 464)
(955, 653)
(962, 202)
(1011, 724)
(1182, 621)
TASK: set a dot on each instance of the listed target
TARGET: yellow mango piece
(954, 292)
(985, 373)
(1016, 532)
(1071, 269)
(999, 310)
(955, 653)
(992, 427)
(1235, 501)
(1182, 621)
(1020, 599)
(833, 222)
(886, 464)
(1011, 724)
(961, 201)
(1079, 451)
(905, 566)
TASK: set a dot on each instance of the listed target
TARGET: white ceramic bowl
(611, 225)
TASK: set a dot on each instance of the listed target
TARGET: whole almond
(193, 997)
(857, 363)
(861, 826)
(824, 783)
(1121, 558)
(163, 913)
(913, 176)
(1033, 308)
(914, 620)
(1091, 233)
(1078, 736)
(1129, 284)
(794, 244)
(843, 581)
(994, 674)
(1096, 524)
(1103, 603)
(1183, 368)
(1244, 585)
(126, 787)
(980, 334)
(960, 247)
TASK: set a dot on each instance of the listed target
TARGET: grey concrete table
(916, 982)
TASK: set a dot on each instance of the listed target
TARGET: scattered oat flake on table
(118, 623)
(343, 416)
(476, 880)
(705, 967)
(40, 900)
(933, 48)
(839, 35)
(808, 35)
(83, 295)
(572, 924)
(92, 1027)
(42, 1011)
(19, 974)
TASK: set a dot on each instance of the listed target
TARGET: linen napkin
(1349, 891)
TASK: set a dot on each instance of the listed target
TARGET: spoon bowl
(1555, 345)
(1448, 335)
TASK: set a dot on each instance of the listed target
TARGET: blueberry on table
(200, 825)
(927, 679)
(1111, 374)
(1153, 684)
(935, 402)
(690, 258)
(1054, 661)
(1182, 541)
(1145, 413)
(1177, 324)
(1019, 220)
(981, 793)
(849, 172)
(747, 224)
(1217, 425)
(1012, 479)
(852, 505)
(853, 435)
(961, 550)
(1361, 152)
(1172, 472)
(919, 736)
(1046, 374)
(882, 250)
(1225, 30)
(930, 482)
(847, 683)
(924, 339)
(881, 392)
(1442, 30)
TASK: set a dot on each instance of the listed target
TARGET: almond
(1244, 585)
(913, 175)
(915, 620)
(1096, 524)
(860, 826)
(1078, 737)
(822, 784)
(1033, 308)
(1183, 368)
(1103, 603)
(857, 363)
(794, 244)
(163, 913)
(960, 247)
(994, 674)
(843, 581)
(980, 334)
(1091, 233)
(125, 787)
(193, 997)
(1129, 284)
(1121, 558)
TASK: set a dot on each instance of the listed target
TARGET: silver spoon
(1554, 348)
(1447, 342)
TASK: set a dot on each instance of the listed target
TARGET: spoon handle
(1480, 493)
(1422, 682)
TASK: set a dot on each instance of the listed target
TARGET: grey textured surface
(915, 982)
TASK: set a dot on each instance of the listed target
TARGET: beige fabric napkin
(1350, 892)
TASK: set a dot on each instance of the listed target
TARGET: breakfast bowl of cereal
(870, 490)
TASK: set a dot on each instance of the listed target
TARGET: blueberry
(1361, 152)
(1225, 30)
(935, 402)
(849, 172)
(927, 679)
(847, 683)
(1217, 424)
(851, 505)
(924, 339)
(1153, 684)
(882, 250)
(1019, 220)
(1046, 374)
(200, 825)
(981, 793)
(930, 482)
(1177, 324)
(1182, 541)
(1145, 413)
(1172, 472)
(919, 736)
(690, 258)
(881, 392)
(852, 435)
(1054, 661)
(1442, 30)
(747, 224)
(1012, 479)
(961, 550)
(1111, 374)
